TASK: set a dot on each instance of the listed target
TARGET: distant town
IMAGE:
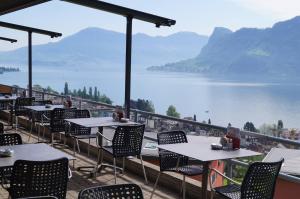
(4, 69)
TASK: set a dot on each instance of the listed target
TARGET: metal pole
(30, 63)
(128, 65)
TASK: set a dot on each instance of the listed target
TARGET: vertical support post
(30, 63)
(128, 65)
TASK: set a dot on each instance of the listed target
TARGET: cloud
(276, 8)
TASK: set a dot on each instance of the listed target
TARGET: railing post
(80, 102)
(135, 116)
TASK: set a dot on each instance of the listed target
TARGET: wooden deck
(81, 179)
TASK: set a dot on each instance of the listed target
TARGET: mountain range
(271, 51)
(95, 47)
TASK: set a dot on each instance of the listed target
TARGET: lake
(223, 100)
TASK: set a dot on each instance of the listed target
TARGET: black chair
(41, 118)
(259, 182)
(57, 121)
(40, 197)
(128, 191)
(172, 162)
(19, 110)
(1, 128)
(78, 132)
(39, 178)
(8, 140)
(127, 141)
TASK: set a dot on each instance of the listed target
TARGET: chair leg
(144, 171)
(89, 147)
(52, 138)
(123, 165)
(74, 147)
(154, 188)
(16, 119)
(30, 133)
(183, 187)
(77, 143)
(115, 170)
(39, 132)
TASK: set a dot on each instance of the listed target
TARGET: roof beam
(8, 6)
(126, 12)
(29, 29)
(8, 39)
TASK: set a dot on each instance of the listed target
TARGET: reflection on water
(232, 100)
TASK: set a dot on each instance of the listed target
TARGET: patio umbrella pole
(30, 63)
(128, 65)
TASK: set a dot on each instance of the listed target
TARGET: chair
(57, 120)
(112, 192)
(41, 118)
(259, 182)
(39, 178)
(1, 128)
(78, 132)
(8, 140)
(19, 110)
(172, 162)
(127, 141)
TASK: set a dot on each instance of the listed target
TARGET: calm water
(222, 101)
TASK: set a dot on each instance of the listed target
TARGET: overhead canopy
(8, 39)
(7, 6)
(29, 29)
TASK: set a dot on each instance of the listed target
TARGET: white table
(98, 122)
(32, 152)
(43, 108)
(201, 150)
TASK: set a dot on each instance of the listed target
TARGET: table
(43, 108)
(291, 159)
(32, 152)
(10, 98)
(201, 150)
(98, 122)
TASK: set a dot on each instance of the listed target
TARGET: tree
(95, 93)
(90, 93)
(172, 112)
(141, 104)
(249, 126)
(66, 89)
(84, 92)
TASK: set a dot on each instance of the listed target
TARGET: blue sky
(200, 16)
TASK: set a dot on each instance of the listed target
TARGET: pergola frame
(29, 30)
(8, 39)
(129, 14)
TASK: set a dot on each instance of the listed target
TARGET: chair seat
(188, 170)
(122, 151)
(231, 191)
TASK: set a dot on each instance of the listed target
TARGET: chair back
(73, 129)
(20, 103)
(39, 178)
(260, 180)
(57, 119)
(10, 139)
(128, 140)
(112, 192)
(1, 128)
(169, 160)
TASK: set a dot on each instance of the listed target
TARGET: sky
(200, 16)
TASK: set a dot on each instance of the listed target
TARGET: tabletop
(98, 122)
(32, 152)
(200, 149)
(291, 159)
(43, 108)
(9, 98)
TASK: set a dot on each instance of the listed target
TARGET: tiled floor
(81, 180)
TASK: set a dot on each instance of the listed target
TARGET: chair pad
(188, 170)
(84, 136)
(231, 191)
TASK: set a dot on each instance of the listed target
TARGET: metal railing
(158, 123)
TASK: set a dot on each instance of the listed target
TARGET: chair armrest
(226, 177)
(45, 117)
(100, 134)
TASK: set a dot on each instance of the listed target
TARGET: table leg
(205, 180)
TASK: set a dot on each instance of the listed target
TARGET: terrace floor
(81, 179)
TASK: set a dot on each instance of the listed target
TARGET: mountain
(103, 48)
(251, 51)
